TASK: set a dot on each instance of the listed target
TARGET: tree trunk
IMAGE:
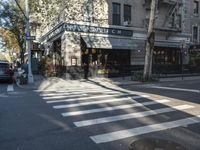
(147, 75)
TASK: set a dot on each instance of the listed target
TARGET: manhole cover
(155, 144)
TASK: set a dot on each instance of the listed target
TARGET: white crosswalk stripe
(130, 116)
(87, 98)
(75, 113)
(10, 88)
(113, 136)
(75, 99)
(80, 92)
(77, 93)
(62, 96)
(73, 90)
(105, 101)
(100, 102)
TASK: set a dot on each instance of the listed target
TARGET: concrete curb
(161, 80)
(117, 83)
(179, 79)
(126, 84)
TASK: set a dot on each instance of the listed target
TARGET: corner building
(107, 37)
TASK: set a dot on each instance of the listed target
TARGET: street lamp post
(30, 75)
(181, 60)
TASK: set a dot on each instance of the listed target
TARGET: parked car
(6, 73)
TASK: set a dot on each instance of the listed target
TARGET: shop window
(195, 34)
(166, 57)
(127, 15)
(88, 11)
(107, 61)
(196, 7)
(116, 14)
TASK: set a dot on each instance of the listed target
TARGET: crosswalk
(130, 116)
(10, 88)
(98, 107)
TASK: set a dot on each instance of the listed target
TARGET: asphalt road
(182, 92)
(99, 119)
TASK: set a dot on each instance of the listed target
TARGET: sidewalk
(53, 83)
(38, 79)
(120, 81)
(127, 80)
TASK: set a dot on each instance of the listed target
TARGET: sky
(5, 0)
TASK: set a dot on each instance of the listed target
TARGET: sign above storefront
(86, 29)
(98, 30)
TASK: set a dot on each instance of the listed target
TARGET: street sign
(30, 38)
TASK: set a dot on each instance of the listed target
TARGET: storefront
(107, 62)
(167, 58)
(107, 56)
(194, 58)
(105, 51)
(108, 51)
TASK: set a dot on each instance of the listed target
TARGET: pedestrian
(86, 70)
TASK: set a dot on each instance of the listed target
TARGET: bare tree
(147, 75)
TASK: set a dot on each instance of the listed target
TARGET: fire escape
(171, 20)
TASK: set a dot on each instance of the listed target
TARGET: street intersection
(88, 116)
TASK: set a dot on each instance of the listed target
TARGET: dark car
(6, 73)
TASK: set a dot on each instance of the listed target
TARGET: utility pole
(30, 75)
(147, 75)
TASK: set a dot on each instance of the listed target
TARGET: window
(172, 21)
(179, 21)
(127, 14)
(116, 14)
(196, 7)
(176, 21)
(88, 11)
(195, 33)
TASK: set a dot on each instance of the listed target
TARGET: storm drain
(155, 144)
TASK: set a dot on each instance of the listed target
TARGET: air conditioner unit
(127, 23)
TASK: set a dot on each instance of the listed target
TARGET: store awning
(112, 43)
(170, 44)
